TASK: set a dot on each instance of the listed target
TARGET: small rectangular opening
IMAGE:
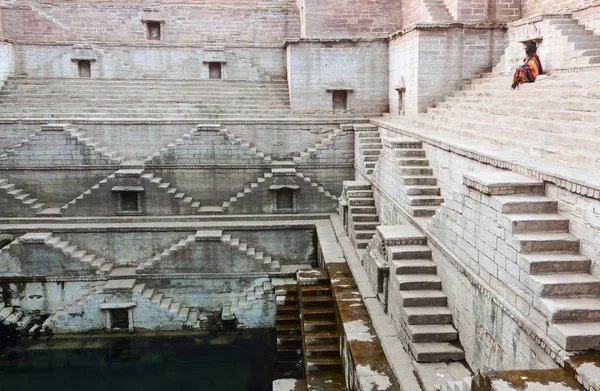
(214, 70)
(340, 100)
(285, 198)
(129, 201)
(85, 68)
(119, 318)
(153, 31)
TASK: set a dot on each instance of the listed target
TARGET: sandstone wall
(317, 67)
(538, 7)
(142, 61)
(123, 21)
(7, 63)
(589, 17)
(431, 63)
(350, 18)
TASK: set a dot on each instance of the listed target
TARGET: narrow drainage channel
(241, 361)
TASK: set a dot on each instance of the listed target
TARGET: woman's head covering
(531, 47)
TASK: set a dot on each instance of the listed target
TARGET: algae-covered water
(228, 362)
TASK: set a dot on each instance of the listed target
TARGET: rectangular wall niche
(285, 198)
(119, 319)
(153, 31)
(401, 100)
(85, 68)
(214, 70)
(340, 100)
(129, 201)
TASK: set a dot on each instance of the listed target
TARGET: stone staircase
(242, 202)
(290, 355)
(326, 143)
(563, 129)
(437, 11)
(166, 199)
(319, 329)
(418, 305)
(166, 303)
(564, 290)
(246, 300)
(368, 146)
(86, 293)
(584, 43)
(17, 202)
(88, 260)
(226, 239)
(362, 213)
(422, 191)
(24, 97)
(196, 142)
(26, 324)
(52, 136)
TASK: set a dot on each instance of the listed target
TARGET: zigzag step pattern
(326, 142)
(247, 300)
(30, 205)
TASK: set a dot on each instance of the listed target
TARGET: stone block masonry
(421, 59)
(7, 63)
(359, 18)
(123, 21)
(316, 68)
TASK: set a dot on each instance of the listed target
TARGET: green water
(228, 362)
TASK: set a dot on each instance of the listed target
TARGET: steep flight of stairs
(558, 274)
(437, 11)
(326, 143)
(425, 321)
(362, 213)
(368, 146)
(290, 356)
(246, 300)
(26, 97)
(423, 193)
(184, 149)
(319, 329)
(226, 239)
(18, 203)
(60, 137)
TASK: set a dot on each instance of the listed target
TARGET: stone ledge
(154, 44)
(447, 25)
(193, 121)
(498, 183)
(146, 80)
(401, 235)
(35, 237)
(573, 179)
(538, 18)
(144, 277)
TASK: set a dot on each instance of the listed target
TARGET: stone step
(424, 211)
(576, 336)
(569, 309)
(364, 210)
(425, 200)
(544, 242)
(426, 315)
(548, 263)
(423, 298)
(365, 225)
(416, 266)
(320, 337)
(361, 202)
(547, 285)
(419, 180)
(409, 153)
(419, 282)
(432, 333)
(422, 190)
(437, 352)
(410, 252)
(364, 234)
(521, 223)
(316, 363)
(373, 218)
(414, 162)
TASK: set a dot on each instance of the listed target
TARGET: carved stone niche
(127, 185)
(84, 55)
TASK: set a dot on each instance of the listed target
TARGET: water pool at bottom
(228, 361)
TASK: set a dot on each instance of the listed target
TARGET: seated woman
(531, 68)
